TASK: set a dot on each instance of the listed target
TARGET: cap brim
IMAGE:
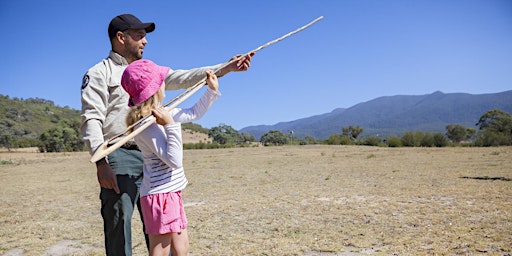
(149, 27)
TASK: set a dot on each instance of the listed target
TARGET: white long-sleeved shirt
(162, 149)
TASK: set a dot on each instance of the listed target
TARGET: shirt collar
(118, 59)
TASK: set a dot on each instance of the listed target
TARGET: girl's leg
(160, 245)
(180, 243)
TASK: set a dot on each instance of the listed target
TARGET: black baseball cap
(128, 21)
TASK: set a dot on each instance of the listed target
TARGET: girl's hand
(211, 80)
(163, 117)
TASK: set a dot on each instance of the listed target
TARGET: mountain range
(394, 115)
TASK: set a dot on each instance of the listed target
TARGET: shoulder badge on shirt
(85, 81)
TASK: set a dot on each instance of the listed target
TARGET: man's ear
(120, 37)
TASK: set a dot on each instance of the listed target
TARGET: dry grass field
(296, 200)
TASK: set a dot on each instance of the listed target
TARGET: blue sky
(361, 50)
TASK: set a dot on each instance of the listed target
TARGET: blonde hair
(138, 112)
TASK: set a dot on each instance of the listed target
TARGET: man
(104, 108)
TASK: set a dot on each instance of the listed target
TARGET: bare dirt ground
(297, 200)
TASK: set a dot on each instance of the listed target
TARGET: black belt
(128, 145)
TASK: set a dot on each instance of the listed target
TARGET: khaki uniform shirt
(105, 103)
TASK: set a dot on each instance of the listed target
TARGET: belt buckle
(130, 145)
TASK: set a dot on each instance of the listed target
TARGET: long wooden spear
(105, 149)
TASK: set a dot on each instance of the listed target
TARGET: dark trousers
(117, 209)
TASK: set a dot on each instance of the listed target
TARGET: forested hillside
(395, 115)
(22, 121)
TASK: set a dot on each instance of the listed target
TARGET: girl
(162, 150)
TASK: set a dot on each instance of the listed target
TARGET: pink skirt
(163, 213)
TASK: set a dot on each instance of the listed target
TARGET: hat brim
(149, 27)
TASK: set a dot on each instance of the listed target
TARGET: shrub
(372, 141)
(439, 140)
(412, 139)
(394, 141)
(491, 139)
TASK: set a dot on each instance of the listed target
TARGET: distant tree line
(29, 100)
(494, 129)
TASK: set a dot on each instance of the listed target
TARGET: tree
(352, 131)
(310, 139)
(345, 132)
(355, 131)
(273, 137)
(457, 133)
(6, 141)
(247, 137)
(64, 137)
(223, 134)
(495, 128)
(52, 140)
(496, 120)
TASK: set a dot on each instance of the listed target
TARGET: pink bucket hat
(141, 79)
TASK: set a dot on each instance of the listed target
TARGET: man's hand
(106, 176)
(242, 64)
